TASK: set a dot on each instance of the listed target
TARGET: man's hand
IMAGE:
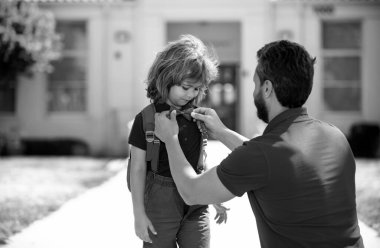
(166, 128)
(210, 118)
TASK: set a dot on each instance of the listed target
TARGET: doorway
(224, 39)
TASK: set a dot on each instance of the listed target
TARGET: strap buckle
(149, 136)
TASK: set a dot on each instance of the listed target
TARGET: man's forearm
(181, 170)
(230, 138)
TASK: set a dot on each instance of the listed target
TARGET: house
(98, 85)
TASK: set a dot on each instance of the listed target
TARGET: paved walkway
(102, 217)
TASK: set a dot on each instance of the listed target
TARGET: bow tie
(185, 113)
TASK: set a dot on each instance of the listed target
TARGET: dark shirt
(189, 138)
(300, 180)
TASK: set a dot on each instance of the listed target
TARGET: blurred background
(72, 78)
(72, 72)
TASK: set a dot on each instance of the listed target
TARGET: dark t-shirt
(300, 180)
(189, 138)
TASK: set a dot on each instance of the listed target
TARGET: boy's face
(180, 95)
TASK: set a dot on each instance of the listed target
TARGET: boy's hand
(142, 225)
(166, 128)
(221, 213)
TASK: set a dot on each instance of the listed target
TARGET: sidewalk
(102, 217)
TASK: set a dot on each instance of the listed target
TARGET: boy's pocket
(162, 203)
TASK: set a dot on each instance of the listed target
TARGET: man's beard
(262, 111)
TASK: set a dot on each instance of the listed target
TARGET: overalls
(174, 221)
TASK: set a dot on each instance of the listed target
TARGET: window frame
(342, 52)
(73, 53)
(13, 90)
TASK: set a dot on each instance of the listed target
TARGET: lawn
(368, 192)
(32, 188)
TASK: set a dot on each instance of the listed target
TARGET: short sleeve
(137, 134)
(245, 169)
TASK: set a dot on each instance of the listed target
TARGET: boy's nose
(191, 94)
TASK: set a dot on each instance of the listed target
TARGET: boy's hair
(186, 58)
(290, 68)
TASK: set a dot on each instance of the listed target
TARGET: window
(67, 90)
(341, 49)
(7, 98)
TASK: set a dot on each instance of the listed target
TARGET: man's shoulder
(263, 140)
(257, 146)
(328, 127)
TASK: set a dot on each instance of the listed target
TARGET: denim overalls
(174, 221)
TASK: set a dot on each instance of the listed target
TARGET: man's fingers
(197, 116)
(200, 110)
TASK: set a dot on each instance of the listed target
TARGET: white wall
(304, 23)
(117, 71)
(371, 68)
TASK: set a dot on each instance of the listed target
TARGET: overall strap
(186, 112)
(152, 142)
(202, 154)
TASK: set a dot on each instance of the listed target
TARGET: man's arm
(205, 188)
(217, 129)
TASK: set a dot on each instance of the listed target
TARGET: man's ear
(268, 88)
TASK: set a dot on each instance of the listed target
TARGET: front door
(224, 39)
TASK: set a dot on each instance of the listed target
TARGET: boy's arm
(137, 179)
(138, 176)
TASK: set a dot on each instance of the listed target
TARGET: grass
(32, 188)
(368, 192)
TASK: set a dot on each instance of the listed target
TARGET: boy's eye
(188, 87)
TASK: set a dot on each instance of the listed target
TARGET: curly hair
(290, 68)
(184, 59)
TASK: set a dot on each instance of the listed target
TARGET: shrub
(28, 41)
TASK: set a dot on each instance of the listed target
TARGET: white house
(98, 85)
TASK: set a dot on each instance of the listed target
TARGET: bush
(28, 41)
(364, 139)
(54, 147)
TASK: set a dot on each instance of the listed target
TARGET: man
(299, 175)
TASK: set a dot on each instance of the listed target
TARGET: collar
(163, 106)
(289, 114)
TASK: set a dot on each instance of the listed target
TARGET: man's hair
(290, 68)
(183, 59)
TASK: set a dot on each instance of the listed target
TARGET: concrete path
(102, 217)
